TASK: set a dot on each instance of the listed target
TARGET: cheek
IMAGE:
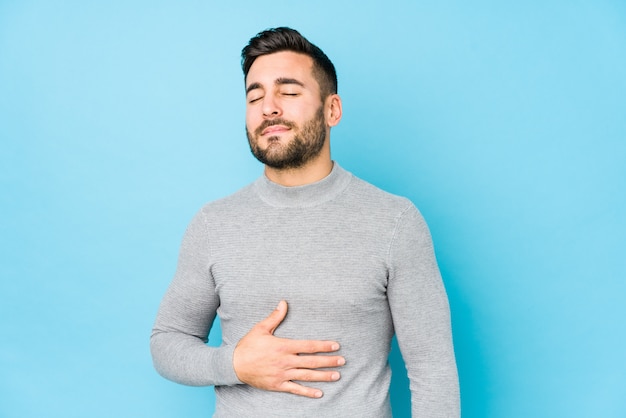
(251, 123)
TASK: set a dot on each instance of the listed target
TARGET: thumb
(274, 319)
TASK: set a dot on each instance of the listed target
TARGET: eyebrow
(282, 80)
(279, 81)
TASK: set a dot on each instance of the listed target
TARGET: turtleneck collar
(307, 195)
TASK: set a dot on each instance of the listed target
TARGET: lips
(275, 126)
(275, 129)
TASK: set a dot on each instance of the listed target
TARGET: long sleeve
(185, 316)
(354, 263)
(421, 318)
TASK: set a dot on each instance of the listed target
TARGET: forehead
(266, 69)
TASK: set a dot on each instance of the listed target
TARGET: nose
(270, 107)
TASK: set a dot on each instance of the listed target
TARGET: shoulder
(375, 197)
(398, 211)
(234, 202)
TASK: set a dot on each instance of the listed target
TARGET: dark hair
(286, 39)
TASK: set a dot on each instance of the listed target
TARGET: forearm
(186, 359)
(179, 336)
(427, 349)
(432, 370)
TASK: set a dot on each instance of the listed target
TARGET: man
(338, 265)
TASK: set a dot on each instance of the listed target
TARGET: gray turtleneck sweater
(355, 265)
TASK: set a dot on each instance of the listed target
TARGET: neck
(310, 173)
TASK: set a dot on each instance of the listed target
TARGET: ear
(333, 110)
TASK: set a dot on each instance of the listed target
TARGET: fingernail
(335, 347)
(335, 376)
(341, 361)
(318, 394)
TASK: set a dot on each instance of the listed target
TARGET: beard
(306, 144)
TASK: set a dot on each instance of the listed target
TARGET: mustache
(278, 121)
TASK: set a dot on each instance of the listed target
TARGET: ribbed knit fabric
(354, 264)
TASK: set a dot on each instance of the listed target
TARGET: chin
(276, 140)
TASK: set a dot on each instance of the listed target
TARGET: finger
(311, 346)
(307, 375)
(317, 362)
(274, 319)
(298, 389)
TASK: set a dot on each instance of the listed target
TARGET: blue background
(503, 121)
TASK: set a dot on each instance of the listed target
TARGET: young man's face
(285, 120)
